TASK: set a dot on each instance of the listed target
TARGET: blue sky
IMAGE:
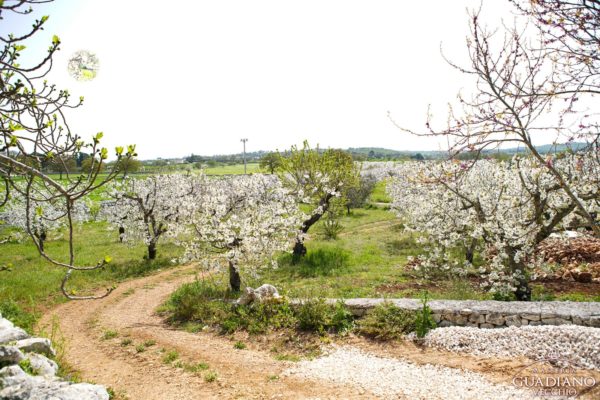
(196, 76)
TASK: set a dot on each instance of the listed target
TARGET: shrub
(387, 322)
(318, 316)
(313, 315)
(332, 227)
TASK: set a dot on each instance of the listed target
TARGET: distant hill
(380, 153)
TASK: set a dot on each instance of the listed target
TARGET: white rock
(36, 345)
(575, 345)
(12, 334)
(261, 294)
(10, 355)
(390, 378)
(42, 365)
(17, 385)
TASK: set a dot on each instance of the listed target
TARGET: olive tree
(318, 178)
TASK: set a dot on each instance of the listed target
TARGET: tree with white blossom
(244, 221)
(506, 207)
(146, 210)
(318, 179)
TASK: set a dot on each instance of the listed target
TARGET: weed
(423, 320)
(332, 227)
(273, 377)
(287, 357)
(126, 342)
(170, 357)
(149, 343)
(210, 376)
(140, 348)
(195, 368)
(26, 366)
(239, 345)
(109, 334)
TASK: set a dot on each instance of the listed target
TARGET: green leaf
(44, 18)
(19, 47)
(99, 136)
(107, 259)
(55, 40)
(104, 153)
(119, 150)
(39, 211)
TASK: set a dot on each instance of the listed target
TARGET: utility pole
(244, 141)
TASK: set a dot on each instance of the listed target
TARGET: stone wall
(493, 314)
(27, 370)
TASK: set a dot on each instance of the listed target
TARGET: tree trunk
(121, 233)
(348, 209)
(152, 251)
(41, 240)
(299, 249)
(523, 292)
(470, 251)
(235, 281)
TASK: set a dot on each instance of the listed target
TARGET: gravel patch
(392, 378)
(572, 345)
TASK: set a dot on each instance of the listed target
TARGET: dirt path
(244, 374)
(241, 374)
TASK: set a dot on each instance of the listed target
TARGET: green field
(236, 169)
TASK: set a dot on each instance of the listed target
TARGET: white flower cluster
(502, 208)
(45, 217)
(242, 218)
(238, 218)
(148, 209)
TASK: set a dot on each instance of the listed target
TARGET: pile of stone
(27, 370)
(578, 258)
(565, 345)
(390, 378)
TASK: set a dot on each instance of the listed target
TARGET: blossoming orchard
(463, 265)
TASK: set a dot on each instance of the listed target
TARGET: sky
(186, 77)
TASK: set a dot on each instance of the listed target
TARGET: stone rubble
(16, 347)
(572, 345)
(392, 378)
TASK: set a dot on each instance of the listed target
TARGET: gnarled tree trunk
(235, 281)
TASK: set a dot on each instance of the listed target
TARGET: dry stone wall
(494, 314)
